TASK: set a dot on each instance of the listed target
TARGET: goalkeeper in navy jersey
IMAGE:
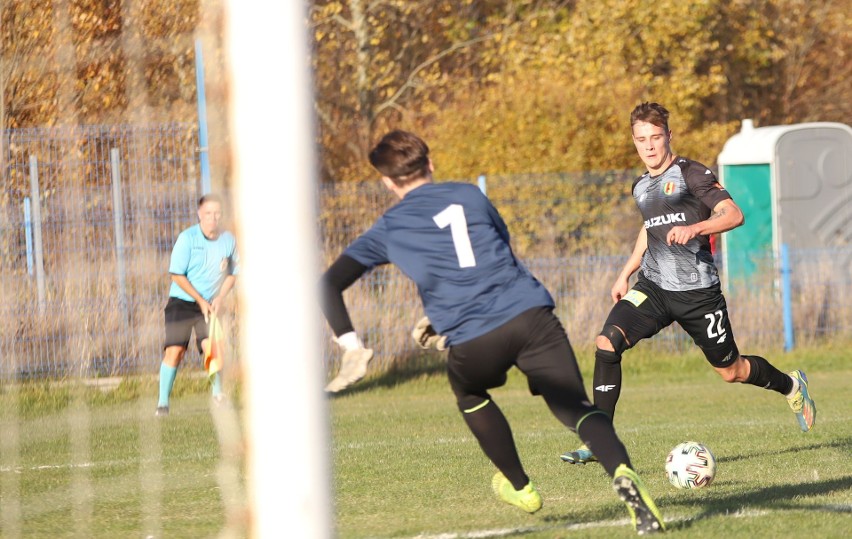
(484, 305)
(682, 204)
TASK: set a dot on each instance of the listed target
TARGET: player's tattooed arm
(726, 215)
(722, 211)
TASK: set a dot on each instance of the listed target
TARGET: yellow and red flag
(214, 360)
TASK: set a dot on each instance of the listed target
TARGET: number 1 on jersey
(453, 215)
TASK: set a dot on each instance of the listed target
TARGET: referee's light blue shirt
(204, 262)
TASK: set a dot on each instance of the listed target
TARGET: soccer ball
(690, 465)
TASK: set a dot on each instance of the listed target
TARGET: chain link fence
(89, 214)
(575, 232)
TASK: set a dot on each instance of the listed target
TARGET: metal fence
(88, 216)
(574, 232)
(384, 304)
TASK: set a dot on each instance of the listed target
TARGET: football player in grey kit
(487, 307)
(681, 203)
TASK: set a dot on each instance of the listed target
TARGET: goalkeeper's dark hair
(401, 156)
(652, 113)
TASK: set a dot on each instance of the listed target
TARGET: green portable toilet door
(749, 244)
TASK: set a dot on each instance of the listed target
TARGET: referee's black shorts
(181, 318)
(646, 309)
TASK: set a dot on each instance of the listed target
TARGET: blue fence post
(203, 147)
(39, 246)
(28, 234)
(482, 186)
(118, 221)
(786, 297)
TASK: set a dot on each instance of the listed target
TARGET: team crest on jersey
(669, 188)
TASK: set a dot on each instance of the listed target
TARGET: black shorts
(181, 318)
(646, 309)
(536, 343)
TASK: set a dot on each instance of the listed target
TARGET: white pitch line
(70, 466)
(505, 532)
(21, 469)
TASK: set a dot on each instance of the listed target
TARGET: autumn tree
(96, 61)
(376, 60)
(27, 81)
(785, 61)
(552, 85)
(555, 82)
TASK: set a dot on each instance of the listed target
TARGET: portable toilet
(794, 185)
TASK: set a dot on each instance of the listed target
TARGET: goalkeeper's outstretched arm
(353, 365)
(339, 276)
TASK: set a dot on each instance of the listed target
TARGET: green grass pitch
(405, 465)
(77, 462)
(82, 463)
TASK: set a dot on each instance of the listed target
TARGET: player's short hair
(209, 197)
(652, 113)
(401, 156)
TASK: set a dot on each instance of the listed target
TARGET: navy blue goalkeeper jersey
(451, 241)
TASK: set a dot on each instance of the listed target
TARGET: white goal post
(273, 141)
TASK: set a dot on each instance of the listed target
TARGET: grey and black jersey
(683, 195)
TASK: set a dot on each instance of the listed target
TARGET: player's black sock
(607, 380)
(492, 431)
(764, 375)
(597, 433)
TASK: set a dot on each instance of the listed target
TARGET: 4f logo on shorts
(604, 388)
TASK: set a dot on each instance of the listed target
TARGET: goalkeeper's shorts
(536, 343)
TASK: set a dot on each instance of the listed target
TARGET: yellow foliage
(35, 67)
(164, 18)
(548, 86)
(506, 87)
